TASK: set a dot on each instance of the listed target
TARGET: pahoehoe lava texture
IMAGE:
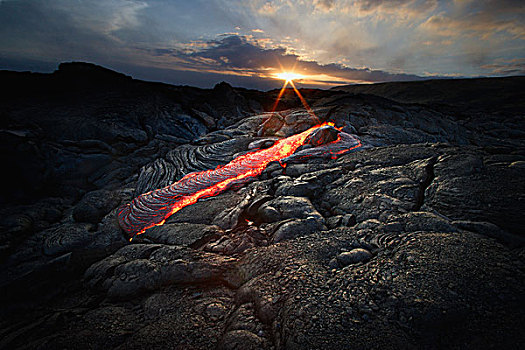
(415, 241)
(153, 208)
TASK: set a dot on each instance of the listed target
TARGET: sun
(289, 76)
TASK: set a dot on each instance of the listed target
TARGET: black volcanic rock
(95, 205)
(414, 240)
(485, 94)
(85, 127)
(325, 134)
(354, 256)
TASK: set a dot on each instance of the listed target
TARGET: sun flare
(289, 76)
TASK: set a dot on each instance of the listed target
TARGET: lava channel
(154, 207)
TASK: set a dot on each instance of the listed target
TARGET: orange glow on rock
(154, 207)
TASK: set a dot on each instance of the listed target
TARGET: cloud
(324, 5)
(90, 29)
(393, 11)
(482, 19)
(507, 67)
(371, 5)
(330, 41)
(238, 55)
(103, 16)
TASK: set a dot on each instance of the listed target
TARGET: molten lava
(153, 208)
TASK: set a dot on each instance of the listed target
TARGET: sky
(248, 42)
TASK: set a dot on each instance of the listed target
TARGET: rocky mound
(413, 241)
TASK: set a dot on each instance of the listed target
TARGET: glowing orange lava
(153, 208)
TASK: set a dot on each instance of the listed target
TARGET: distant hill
(482, 93)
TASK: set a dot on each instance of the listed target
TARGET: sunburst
(288, 78)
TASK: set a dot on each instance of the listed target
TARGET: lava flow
(154, 207)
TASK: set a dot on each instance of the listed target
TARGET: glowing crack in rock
(154, 207)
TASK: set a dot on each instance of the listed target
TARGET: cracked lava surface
(154, 207)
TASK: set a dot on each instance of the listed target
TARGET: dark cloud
(374, 4)
(396, 7)
(242, 54)
(239, 54)
(507, 67)
(325, 5)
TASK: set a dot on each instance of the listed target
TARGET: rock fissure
(425, 183)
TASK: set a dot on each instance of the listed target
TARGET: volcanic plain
(415, 240)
